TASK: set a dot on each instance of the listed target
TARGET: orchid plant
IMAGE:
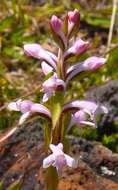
(61, 115)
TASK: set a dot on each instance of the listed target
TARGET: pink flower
(27, 108)
(78, 48)
(88, 106)
(85, 107)
(58, 158)
(52, 84)
(90, 64)
(80, 118)
(93, 63)
(35, 50)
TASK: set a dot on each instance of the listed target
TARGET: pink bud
(56, 24)
(79, 47)
(73, 16)
(73, 22)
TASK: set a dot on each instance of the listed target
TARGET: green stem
(52, 179)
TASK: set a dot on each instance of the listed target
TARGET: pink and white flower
(35, 50)
(58, 158)
(52, 84)
(80, 118)
(78, 48)
(90, 64)
(27, 108)
(85, 108)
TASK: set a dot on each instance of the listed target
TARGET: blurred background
(26, 21)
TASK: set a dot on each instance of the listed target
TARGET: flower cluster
(60, 73)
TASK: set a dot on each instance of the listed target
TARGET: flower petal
(60, 162)
(60, 146)
(88, 123)
(40, 109)
(25, 106)
(24, 117)
(81, 104)
(15, 105)
(48, 161)
(70, 161)
(46, 96)
(46, 68)
(55, 149)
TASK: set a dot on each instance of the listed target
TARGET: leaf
(47, 134)
(57, 39)
(50, 74)
(1, 184)
(6, 23)
(65, 26)
(56, 104)
(52, 178)
(15, 185)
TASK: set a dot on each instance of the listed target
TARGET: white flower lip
(58, 158)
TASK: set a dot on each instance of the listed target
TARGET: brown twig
(112, 23)
(110, 50)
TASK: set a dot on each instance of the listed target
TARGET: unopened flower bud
(73, 16)
(73, 22)
(78, 48)
(56, 24)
